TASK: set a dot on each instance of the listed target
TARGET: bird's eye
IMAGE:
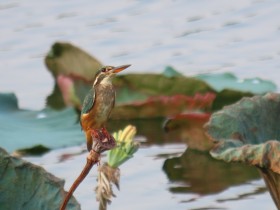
(106, 69)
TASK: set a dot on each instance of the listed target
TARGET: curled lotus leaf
(247, 128)
(248, 132)
(74, 71)
(67, 59)
(266, 155)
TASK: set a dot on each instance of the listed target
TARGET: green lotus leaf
(24, 128)
(248, 132)
(74, 71)
(159, 84)
(223, 81)
(69, 60)
(27, 186)
(169, 71)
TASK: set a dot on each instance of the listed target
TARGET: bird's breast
(103, 105)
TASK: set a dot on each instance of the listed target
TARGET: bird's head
(106, 73)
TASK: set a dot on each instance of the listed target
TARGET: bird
(98, 104)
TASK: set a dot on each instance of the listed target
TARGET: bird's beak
(120, 68)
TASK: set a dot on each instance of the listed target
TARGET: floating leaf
(171, 72)
(27, 186)
(248, 132)
(229, 81)
(74, 71)
(24, 128)
(158, 85)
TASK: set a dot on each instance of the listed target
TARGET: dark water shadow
(151, 129)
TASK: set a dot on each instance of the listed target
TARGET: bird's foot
(106, 133)
(103, 139)
(96, 134)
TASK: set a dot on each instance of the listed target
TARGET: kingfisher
(98, 105)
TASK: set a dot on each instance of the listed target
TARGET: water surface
(238, 36)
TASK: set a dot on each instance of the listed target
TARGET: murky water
(194, 37)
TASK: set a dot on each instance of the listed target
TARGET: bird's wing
(88, 101)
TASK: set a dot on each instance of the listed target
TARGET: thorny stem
(92, 158)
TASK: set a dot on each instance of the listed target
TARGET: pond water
(194, 37)
(145, 184)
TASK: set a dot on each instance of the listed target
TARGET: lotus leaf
(158, 84)
(24, 128)
(67, 62)
(171, 72)
(162, 106)
(229, 81)
(74, 70)
(248, 132)
(67, 59)
(27, 186)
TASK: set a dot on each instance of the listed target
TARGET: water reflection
(198, 172)
(195, 172)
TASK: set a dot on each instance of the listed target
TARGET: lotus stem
(92, 158)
